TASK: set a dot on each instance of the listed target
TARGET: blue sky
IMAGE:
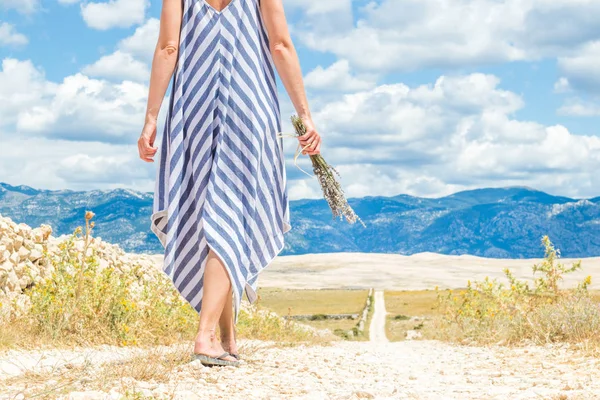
(425, 97)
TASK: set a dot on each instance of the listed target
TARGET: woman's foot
(227, 328)
(208, 345)
(229, 345)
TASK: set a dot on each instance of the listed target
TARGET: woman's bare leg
(227, 328)
(216, 287)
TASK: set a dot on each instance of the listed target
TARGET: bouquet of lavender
(332, 190)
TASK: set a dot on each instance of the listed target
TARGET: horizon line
(529, 188)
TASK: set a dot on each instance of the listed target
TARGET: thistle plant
(326, 174)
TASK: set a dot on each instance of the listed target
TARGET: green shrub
(490, 311)
(84, 303)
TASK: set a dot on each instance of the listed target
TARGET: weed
(490, 311)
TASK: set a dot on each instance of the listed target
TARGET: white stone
(5, 256)
(18, 242)
(89, 395)
(12, 280)
(14, 258)
(35, 254)
(24, 253)
(6, 266)
(7, 243)
(412, 334)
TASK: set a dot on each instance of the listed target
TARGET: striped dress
(221, 179)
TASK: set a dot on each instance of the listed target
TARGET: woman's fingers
(311, 143)
(316, 149)
(146, 142)
(307, 137)
(145, 149)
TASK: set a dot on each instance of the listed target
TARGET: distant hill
(497, 223)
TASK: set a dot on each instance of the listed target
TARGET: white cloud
(9, 36)
(21, 6)
(22, 87)
(80, 133)
(338, 77)
(119, 65)
(114, 13)
(405, 35)
(121, 166)
(58, 164)
(82, 108)
(577, 107)
(581, 68)
(329, 16)
(562, 85)
(458, 133)
(133, 57)
(319, 7)
(143, 42)
(78, 108)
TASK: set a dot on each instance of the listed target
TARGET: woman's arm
(287, 63)
(163, 65)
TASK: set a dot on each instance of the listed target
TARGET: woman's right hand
(311, 138)
(146, 142)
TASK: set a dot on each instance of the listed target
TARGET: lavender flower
(331, 187)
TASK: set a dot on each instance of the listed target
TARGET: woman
(220, 203)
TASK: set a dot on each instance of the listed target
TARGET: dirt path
(377, 328)
(344, 370)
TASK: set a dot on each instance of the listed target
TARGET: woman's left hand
(146, 142)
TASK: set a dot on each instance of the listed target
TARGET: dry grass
(367, 332)
(494, 312)
(315, 302)
(309, 302)
(152, 366)
(160, 370)
(88, 376)
(406, 304)
(265, 325)
(85, 305)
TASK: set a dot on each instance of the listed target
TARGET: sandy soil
(377, 329)
(345, 370)
(397, 272)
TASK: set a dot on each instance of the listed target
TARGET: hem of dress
(162, 237)
(250, 292)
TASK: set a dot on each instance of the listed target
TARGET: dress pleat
(221, 179)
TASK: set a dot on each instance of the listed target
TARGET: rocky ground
(378, 369)
(411, 369)
(344, 370)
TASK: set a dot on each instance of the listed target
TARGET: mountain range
(493, 222)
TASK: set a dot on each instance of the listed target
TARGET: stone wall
(26, 256)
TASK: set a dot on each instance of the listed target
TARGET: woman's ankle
(205, 335)
(227, 338)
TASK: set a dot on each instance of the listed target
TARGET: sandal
(235, 355)
(212, 361)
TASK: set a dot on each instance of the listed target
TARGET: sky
(419, 97)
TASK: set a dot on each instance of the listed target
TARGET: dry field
(314, 302)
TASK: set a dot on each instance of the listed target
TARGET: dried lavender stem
(325, 173)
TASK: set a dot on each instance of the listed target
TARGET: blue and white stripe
(221, 179)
